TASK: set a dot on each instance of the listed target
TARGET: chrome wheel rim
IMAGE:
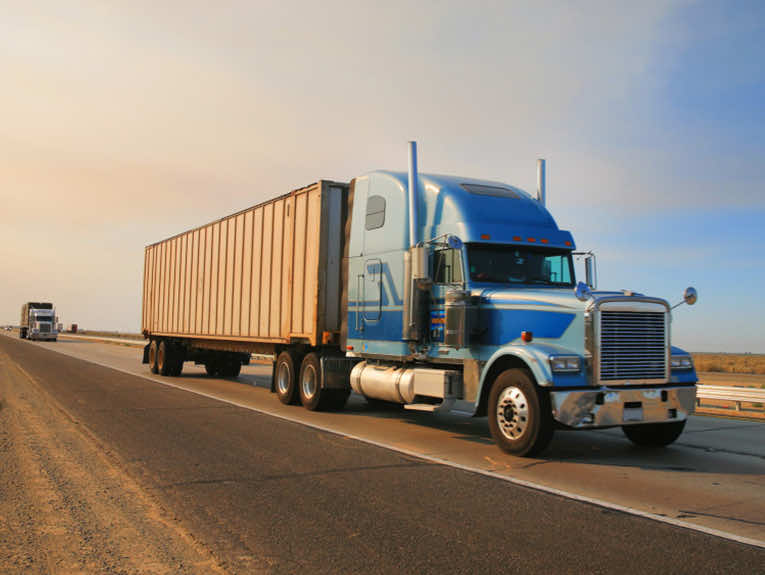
(309, 382)
(283, 378)
(512, 413)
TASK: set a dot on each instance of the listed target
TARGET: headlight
(682, 362)
(565, 363)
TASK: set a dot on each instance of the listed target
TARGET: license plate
(633, 414)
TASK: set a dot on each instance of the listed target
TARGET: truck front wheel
(654, 434)
(520, 417)
(287, 377)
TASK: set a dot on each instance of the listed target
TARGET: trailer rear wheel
(654, 434)
(153, 352)
(286, 377)
(176, 361)
(212, 367)
(520, 417)
(164, 359)
(230, 368)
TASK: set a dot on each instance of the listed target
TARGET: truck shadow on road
(608, 447)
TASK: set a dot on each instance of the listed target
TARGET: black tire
(177, 364)
(520, 417)
(212, 368)
(286, 374)
(230, 368)
(23, 333)
(654, 434)
(338, 399)
(312, 395)
(164, 359)
(153, 352)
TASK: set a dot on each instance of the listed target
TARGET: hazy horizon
(126, 123)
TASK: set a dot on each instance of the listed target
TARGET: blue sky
(128, 122)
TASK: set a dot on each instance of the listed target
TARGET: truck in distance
(38, 321)
(439, 293)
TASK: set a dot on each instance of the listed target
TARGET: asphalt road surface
(106, 471)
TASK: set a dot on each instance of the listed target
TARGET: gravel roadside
(65, 504)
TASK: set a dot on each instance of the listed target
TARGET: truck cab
(476, 309)
(38, 322)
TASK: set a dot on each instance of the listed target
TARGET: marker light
(567, 243)
(485, 237)
(531, 240)
(527, 336)
(682, 362)
(517, 239)
(565, 363)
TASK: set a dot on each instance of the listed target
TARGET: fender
(536, 359)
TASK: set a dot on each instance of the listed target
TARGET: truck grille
(44, 328)
(632, 345)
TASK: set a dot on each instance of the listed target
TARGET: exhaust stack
(541, 182)
(417, 280)
(413, 196)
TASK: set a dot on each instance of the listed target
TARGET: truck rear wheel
(654, 434)
(286, 377)
(312, 395)
(520, 417)
(153, 352)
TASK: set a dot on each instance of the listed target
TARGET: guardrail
(738, 395)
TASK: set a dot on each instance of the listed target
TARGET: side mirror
(591, 271)
(582, 291)
(454, 242)
(690, 296)
(590, 268)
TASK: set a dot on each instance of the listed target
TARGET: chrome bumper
(605, 407)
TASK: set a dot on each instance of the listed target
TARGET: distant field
(730, 363)
(120, 334)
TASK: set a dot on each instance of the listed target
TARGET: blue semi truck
(437, 293)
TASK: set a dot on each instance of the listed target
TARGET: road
(109, 471)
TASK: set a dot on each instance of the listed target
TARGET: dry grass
(730, 362)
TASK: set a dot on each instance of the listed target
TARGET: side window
(556, 269)
(447, 266)
(375, 212)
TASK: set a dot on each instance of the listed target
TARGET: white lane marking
(446, 462)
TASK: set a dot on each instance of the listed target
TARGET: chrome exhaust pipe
(413, 197)
(541, 182)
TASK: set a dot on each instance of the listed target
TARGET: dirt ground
(65, 504)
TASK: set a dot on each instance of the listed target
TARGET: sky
(122, 123)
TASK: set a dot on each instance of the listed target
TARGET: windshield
(43, 318)
(520, 265)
